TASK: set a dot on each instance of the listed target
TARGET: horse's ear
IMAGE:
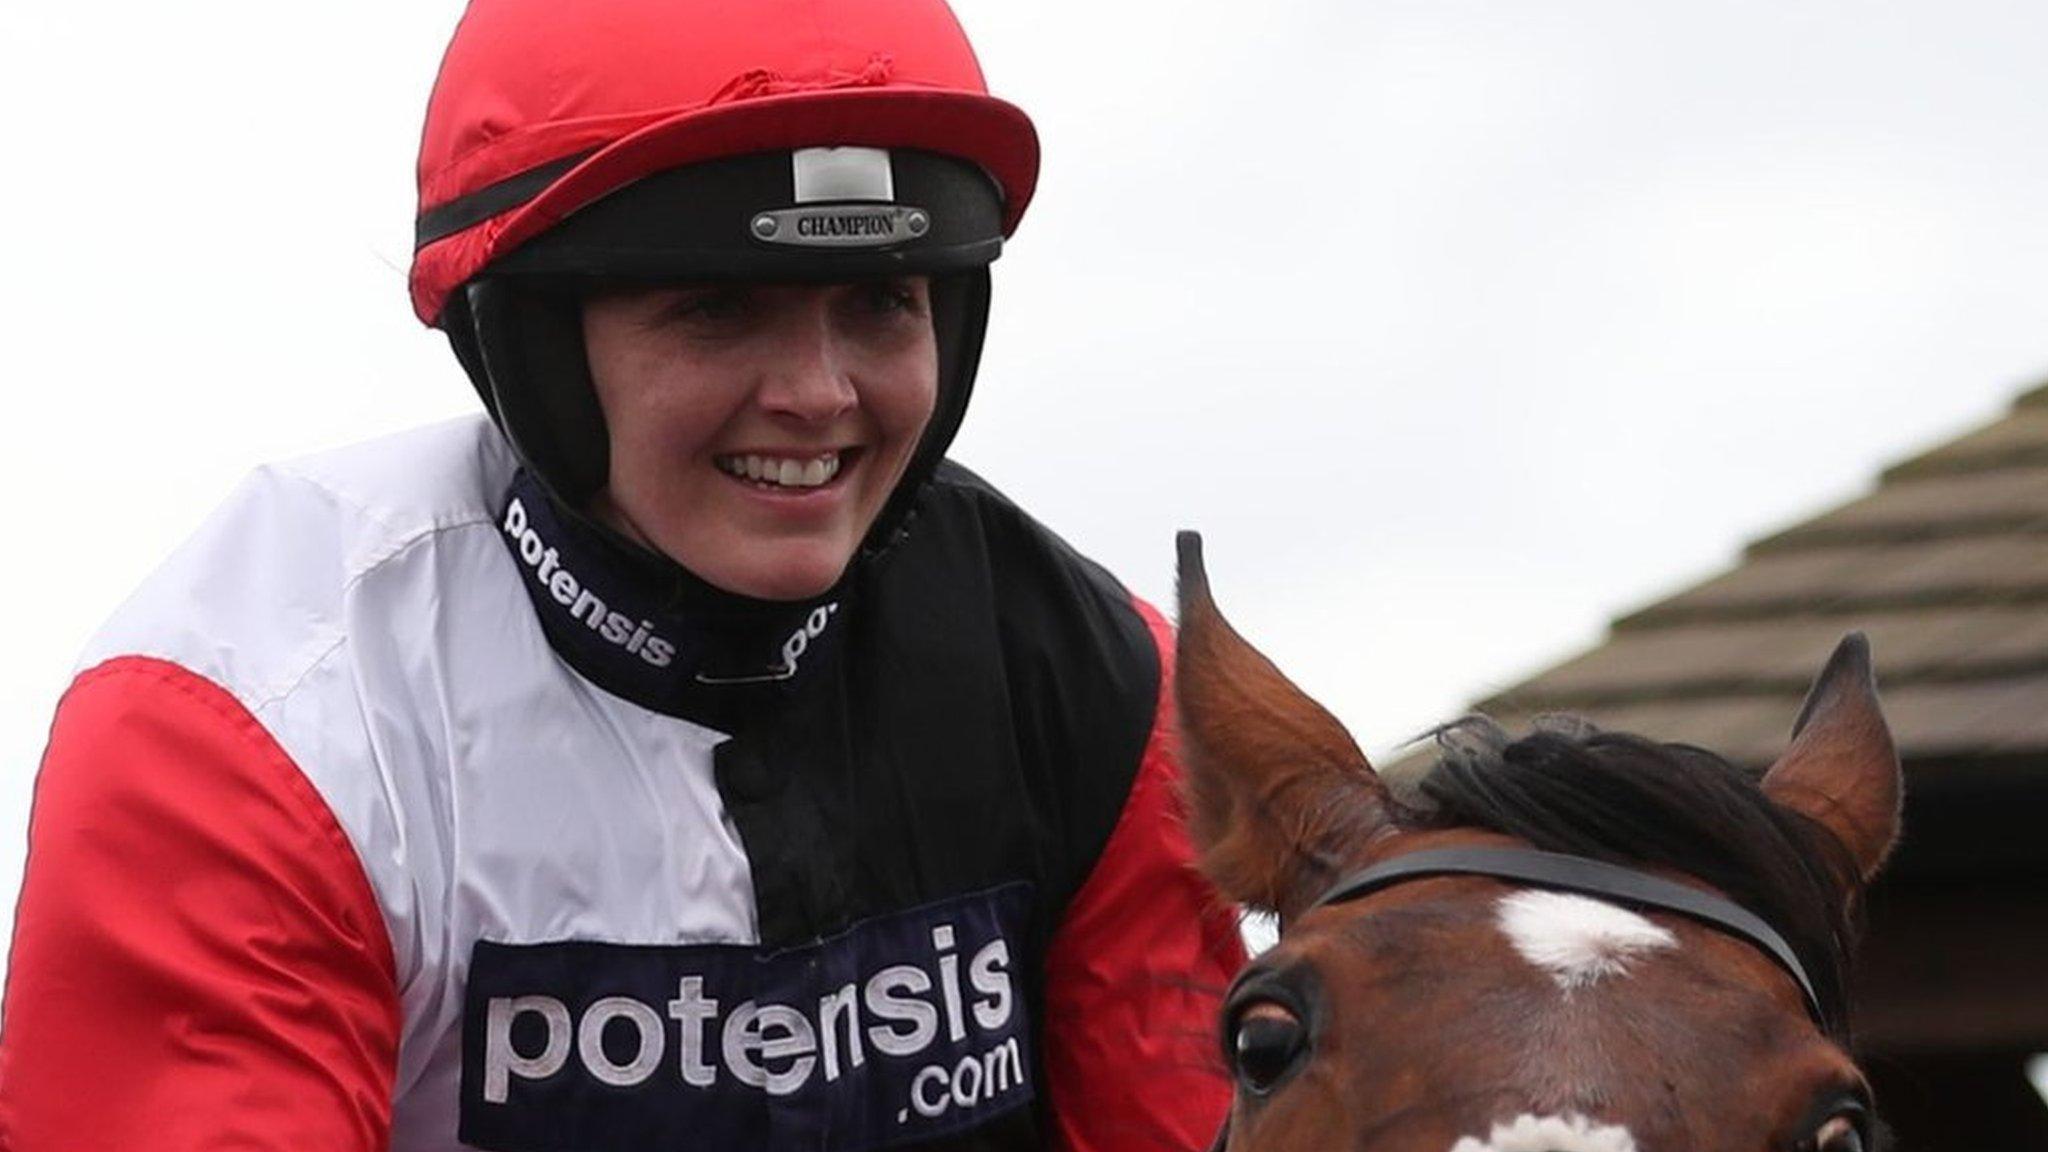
(1842, 770)
(1280, 799)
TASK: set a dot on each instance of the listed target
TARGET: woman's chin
(777, 573)
(739, 558)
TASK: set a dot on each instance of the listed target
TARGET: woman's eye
(890, 297)
(713, 305)
(1267, 1042)
(706, 306)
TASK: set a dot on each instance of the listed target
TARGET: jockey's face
(757, 429)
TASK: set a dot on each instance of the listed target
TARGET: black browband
(1588, 877)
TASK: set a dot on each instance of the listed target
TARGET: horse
(1570, 941)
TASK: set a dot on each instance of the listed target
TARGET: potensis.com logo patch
(906, 1027)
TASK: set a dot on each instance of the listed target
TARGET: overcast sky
(1457, 327)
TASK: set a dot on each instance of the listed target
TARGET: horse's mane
(1569, 787)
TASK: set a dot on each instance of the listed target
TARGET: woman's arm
(198, 961)
(1136, 973)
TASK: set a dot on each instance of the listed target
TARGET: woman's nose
(808, 377)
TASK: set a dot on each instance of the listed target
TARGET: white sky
(1456, 325)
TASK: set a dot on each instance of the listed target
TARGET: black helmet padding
(536, 381)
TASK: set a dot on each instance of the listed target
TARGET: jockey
(685, 754)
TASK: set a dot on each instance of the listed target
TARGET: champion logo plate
(842, 225)
(904, 1028)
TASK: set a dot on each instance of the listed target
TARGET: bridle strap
(1587, 877)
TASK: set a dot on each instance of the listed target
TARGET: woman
(687, 756)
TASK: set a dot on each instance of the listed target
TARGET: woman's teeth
(782, 471)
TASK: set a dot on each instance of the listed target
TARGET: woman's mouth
(814, 470)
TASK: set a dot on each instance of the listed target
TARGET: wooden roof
(1944, 565)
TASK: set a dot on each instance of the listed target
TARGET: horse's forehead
(1578, 940)
(1572, 940)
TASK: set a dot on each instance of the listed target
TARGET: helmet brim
(990, 132)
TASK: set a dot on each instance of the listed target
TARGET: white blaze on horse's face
(1577, 939)
(1567, 1133)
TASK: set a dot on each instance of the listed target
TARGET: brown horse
(1576, 941)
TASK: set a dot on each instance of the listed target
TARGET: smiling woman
(689, 712)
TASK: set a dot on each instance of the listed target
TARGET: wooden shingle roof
(1944, 565)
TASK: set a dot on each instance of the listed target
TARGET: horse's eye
(1841, 1133)
(1267, 1042)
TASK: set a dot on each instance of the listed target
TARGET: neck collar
(642, 627)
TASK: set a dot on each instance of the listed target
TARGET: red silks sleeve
(198, 960)
(1136, 974)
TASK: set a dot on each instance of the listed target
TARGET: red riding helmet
(600, 141)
